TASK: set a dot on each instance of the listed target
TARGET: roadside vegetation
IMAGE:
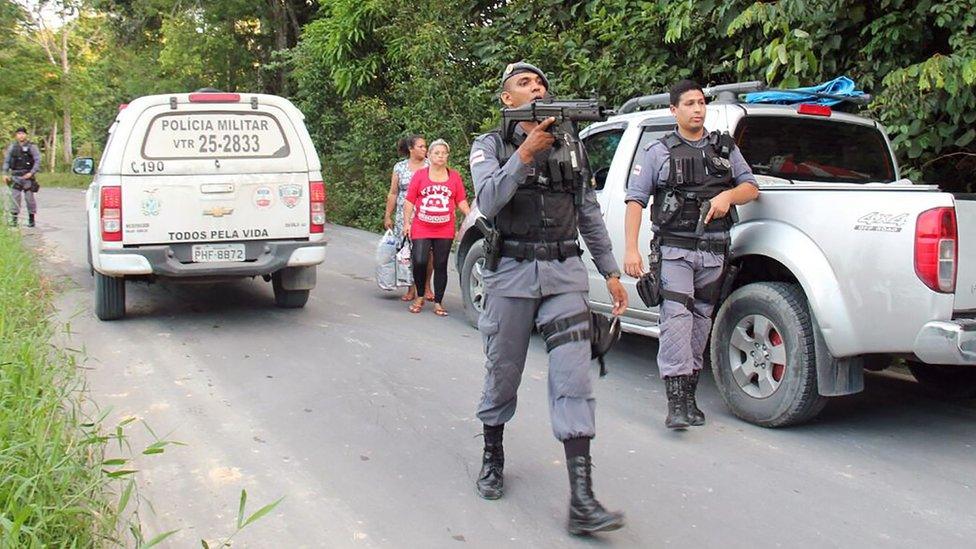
(66, 180)
(53, 480)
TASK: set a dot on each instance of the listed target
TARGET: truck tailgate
(966, 276)
(165, 209)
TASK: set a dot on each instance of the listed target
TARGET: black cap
(521, 67)
(21, 130)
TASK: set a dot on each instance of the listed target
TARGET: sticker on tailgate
(214, 134)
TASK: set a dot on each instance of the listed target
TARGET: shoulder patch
(477, 156)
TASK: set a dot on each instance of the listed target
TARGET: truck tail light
(936, 249)
(316, 193)
(814, 110)
(110, 214)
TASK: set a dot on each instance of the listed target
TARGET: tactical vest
(538, 212)
(696, 175)
(22, 160)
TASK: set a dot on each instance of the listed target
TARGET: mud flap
(836, 376)
(298, 278)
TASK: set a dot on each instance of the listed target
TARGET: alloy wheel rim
(757, 356)
(476, 285)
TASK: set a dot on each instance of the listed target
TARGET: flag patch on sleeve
(477, 156)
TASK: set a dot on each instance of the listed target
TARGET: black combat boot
(695, 416)
(491, 480)
(30, 220)
(677, 388)
(586, 515)
(13, 220)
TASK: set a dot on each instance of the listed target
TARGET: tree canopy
(366, 72)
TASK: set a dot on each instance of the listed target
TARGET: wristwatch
(613, 274)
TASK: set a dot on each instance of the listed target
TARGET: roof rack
(724, 93)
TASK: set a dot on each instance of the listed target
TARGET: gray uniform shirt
(652, 166)
(494, 186)
(32, 148)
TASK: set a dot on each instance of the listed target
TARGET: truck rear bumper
(165, 260)
(947, 342)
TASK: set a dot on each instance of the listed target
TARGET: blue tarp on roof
(841, 85)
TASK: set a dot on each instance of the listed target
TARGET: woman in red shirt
(428, 219)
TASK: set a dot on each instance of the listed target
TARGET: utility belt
(540, 251)
(649, 286)
(714, 245)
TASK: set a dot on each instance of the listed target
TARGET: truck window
(649, 134)
(814, 149)
(214, 134)
(600, 148)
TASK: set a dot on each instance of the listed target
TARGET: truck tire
(944, 380)
(287, 299)
(472, 283)
(109, 297)
(763, 355)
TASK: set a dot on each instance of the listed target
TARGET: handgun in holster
(492, 243)
(649, 284)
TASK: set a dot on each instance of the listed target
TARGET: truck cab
(205, 186)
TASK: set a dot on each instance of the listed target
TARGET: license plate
(210, 253)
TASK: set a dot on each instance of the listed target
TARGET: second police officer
(21, 163)
(682, 171)
(540, 281)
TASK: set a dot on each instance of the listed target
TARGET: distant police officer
(682, 171)
(20, 165)
(540, 280)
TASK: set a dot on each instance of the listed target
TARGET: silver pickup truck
(843, 265)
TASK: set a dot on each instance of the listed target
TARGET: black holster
(492, 243)
(649, 284)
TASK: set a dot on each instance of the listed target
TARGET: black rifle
(567, 164)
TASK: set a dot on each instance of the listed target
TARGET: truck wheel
(944, 380)
(763, 356)
(109, 297)
(287, 299)
(473, 283)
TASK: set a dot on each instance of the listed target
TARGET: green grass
(52, 484)
(66, 180)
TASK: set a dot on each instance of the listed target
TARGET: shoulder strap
(671, 140)
(503, 150)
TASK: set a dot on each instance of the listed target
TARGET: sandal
(418, 305)
(439, 310)
(429, 297)
(407, 297)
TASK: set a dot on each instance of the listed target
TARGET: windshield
(812, 149)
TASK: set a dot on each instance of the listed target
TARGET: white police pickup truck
(843, 264)
(205, 186)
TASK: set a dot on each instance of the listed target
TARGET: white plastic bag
(404, 269)
(386, 271)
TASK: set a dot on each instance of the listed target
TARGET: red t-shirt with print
(434, 204)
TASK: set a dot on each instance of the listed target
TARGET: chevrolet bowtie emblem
(218, 211)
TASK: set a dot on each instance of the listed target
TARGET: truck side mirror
(83, 166)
